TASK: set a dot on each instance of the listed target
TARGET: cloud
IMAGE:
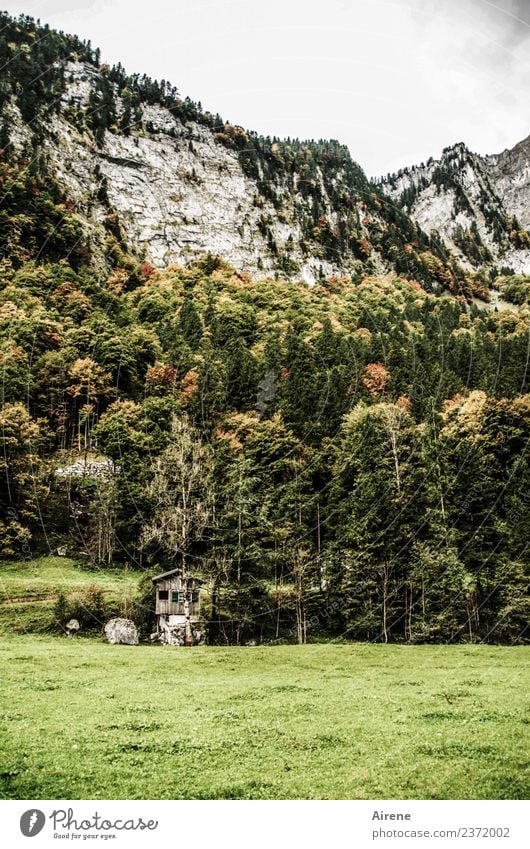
(512, 17)
(507, 21)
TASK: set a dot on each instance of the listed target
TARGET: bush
(61, 611)
(89, 607)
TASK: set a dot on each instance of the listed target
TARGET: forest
(344, 459)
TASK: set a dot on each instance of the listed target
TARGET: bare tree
(300, 565)
(181, 490)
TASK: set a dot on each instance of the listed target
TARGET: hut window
(163, 595)
(195, 596)
(177, 596)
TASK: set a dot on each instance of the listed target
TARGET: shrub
(89, 607)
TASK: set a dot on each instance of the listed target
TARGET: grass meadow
(83, 719)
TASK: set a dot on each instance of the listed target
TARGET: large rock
(72, 627)
(99, 469)
(121, 631)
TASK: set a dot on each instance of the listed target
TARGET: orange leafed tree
(375, 378)
(147, 270)
(161, 374)
(190, 383)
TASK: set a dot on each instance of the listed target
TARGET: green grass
(29, 589)
(83, 719)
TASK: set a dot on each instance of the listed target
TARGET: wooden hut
(178, 602)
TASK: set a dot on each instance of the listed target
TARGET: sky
(395, 80)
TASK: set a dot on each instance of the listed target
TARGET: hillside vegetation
(352, 455)
(41, 594)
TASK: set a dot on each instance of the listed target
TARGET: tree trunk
(385, 603)
(188, 634)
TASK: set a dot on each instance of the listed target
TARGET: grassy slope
(82, 719)
(29, 589)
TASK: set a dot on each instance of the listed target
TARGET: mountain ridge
(148, 174)
(169, 182)
(479, 205)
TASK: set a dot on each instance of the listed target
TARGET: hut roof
(177, 571)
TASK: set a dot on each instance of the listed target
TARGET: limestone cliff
(150, 173)
(178, 192)
(479, 205)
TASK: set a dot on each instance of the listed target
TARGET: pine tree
(190, 323)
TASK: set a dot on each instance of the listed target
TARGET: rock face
(479, 205)
(122, 631)
(510, 176)
(172, 188)
(152, 180)
(177, 192)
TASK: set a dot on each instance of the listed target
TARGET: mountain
(478, 205)
(510, 174)
(138, 172)
(143, 171)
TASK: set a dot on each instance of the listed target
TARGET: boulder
(122, 631)
(99, 469)
(72, 627)
(175, 635)
(172, 635)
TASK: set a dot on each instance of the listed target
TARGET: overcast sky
(396, 80)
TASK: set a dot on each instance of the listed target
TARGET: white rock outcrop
(99, 469)
(509, 173)
(177, 191)
(500, 183)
